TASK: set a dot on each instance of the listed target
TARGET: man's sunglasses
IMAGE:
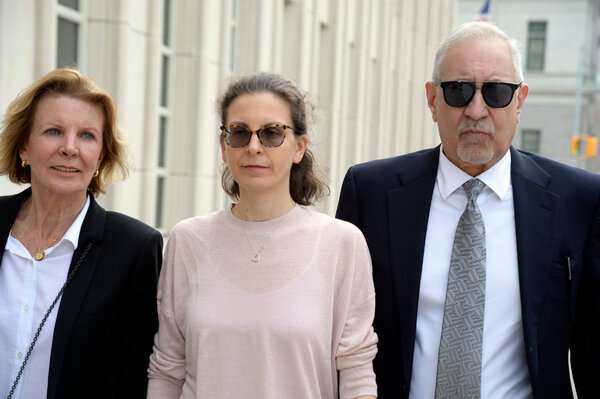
(459, 93)
(269, 135)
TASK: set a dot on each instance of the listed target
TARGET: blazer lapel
(536, 214)
(10, 208)
(74, 294)
(408, 210)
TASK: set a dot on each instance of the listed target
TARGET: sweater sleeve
(168, 362)
(358, 343)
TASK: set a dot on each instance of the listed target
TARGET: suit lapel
(408, 210)
(536, 213)
(68, 312)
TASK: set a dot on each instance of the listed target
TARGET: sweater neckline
(289, 213)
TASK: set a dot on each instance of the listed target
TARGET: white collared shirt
(504, 365)
(27, 289)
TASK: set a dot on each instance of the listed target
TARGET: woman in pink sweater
(266, 299)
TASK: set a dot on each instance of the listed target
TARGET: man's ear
(431, 93)
(521, 96)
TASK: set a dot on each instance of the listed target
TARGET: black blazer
(107, 317)
(557, 215)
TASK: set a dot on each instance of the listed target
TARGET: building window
(530, 140)
(162, 142)
(72, 4)
(164, 80)
(160, 199)
(536, 46)
(67, 46)
(232, 34)
(69, 33)
(167, 23)
(164, 114)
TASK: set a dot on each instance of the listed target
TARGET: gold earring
(96, 173)
(24, 164)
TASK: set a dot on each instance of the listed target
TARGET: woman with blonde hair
(77, 283)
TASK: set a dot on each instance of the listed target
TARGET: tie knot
(473, 187)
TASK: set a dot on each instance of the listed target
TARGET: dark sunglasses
(269, 135)
(459, 93)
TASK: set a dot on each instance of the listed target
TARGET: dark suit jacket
(107, 317)
(557, 215)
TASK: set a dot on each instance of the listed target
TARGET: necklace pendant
(255, 258)
(39, 256)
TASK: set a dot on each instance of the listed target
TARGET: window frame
(536, 60)
(525, 139)
(77, 17)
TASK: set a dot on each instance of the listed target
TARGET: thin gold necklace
(40, 255)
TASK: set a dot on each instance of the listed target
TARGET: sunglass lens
(271, 136)
(497, 95)
(458, 94)
(239, 136)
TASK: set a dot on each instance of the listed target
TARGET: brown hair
(306, 186)
(18, 120)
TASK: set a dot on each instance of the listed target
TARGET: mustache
(479, 126)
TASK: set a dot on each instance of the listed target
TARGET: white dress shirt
(504, 365)
(27, 289)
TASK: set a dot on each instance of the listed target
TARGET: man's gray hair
(472, 30)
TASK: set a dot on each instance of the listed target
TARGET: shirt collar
(72, 235)
(450, 177)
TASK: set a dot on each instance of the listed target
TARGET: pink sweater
(277, 328)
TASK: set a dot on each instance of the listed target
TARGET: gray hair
(472, 30)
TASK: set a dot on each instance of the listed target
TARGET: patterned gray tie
(459, 360)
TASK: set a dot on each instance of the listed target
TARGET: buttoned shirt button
(26, 308)
(20, 355)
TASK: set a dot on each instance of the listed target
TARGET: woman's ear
(302, 143)
(223, 149)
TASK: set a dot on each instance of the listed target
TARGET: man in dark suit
(541, 246)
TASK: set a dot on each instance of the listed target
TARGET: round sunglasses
(269, 136)
(459, 93)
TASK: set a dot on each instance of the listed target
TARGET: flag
(485, 14)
